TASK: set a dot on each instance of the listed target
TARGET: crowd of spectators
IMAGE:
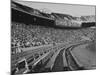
(23, 36)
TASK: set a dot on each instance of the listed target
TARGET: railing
(36, 62)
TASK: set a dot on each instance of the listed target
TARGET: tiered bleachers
(31, 35)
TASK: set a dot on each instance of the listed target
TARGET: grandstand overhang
(25, 17)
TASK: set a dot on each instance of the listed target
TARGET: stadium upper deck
(28, 15)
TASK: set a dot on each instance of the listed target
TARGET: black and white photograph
(52, 37)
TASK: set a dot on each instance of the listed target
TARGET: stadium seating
(24, 36)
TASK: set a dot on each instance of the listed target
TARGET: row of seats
(24, 36)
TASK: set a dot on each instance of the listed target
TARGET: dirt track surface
(84, 56)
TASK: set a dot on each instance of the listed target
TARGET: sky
(74, 10)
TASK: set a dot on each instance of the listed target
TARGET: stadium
(40, 40)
